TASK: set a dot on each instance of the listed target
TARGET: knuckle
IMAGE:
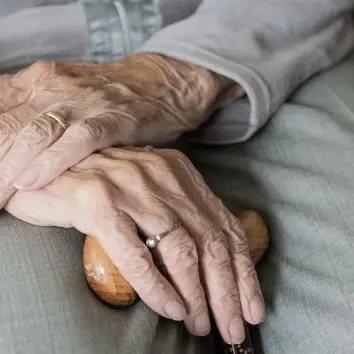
(9, 128)
(56, 155)
(132, 171)
(219, 267)
(236, 235)
(89, 130)
(159, 162)
(247, 271)
(229, 297)
(167, 157)
(97, 186)
(179, 155)
(42, 67)
(231, 223)
(196, 301)
(131, 168)
(239, 247)
(37, 131)
(154, 290)
(215, 248)
(184, 253)
(138, 262)
(95, 195)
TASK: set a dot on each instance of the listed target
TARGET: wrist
(167, 96)
(202, 90)
(193, 89)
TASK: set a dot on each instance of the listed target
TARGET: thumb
(50, 206)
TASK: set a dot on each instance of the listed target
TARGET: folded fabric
(88, 30)
(269, 47)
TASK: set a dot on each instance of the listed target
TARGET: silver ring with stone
(152, 241)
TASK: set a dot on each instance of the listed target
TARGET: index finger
(117, 234)
(136, 264)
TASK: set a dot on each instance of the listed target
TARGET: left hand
(205, 262)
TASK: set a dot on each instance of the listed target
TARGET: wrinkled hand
(118, 193)
(141, 99)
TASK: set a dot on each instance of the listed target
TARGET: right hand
(141, 99)
(119, 192)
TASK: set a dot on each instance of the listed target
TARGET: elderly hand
(141, 99)
(119, 193)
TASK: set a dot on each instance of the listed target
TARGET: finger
(78, 142)
(220, 283)
(252, 302)
(117, 234)
(8, 194)
(216, 269)
(251, 298)
(67, 205)
(249, 291)
(233, 262)
(180, 260)
(11, 123)
(119, 239)
(47, 207)
(33, 138)
(178, 254)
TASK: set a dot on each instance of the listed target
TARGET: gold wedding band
(57, 118)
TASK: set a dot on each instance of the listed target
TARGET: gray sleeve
(83, 30)
(41, 32)
(269, 47)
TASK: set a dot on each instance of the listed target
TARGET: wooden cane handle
(109, 285)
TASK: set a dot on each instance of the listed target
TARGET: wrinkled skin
(204, 262)
(141, 99)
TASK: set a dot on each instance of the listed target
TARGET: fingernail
(257, 308)
(27, 178)
(237, 330)
(175, 310)
(202, 324)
